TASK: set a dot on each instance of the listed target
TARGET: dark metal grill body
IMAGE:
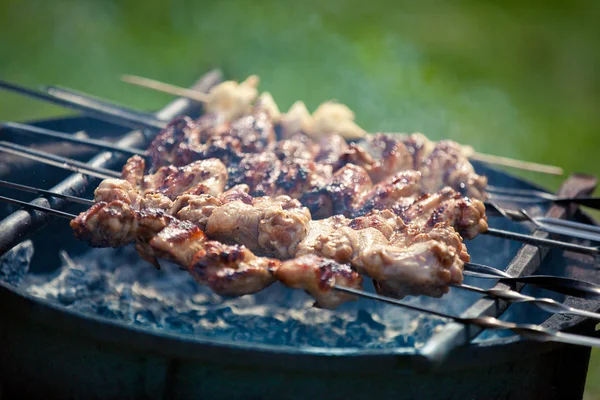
(47, 351)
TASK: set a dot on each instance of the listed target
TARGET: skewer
(534, 332)
(101, 144)
(110, 114)
(518, 164)
(31, 189)
(528, 331)
(202, 97)
(567, 286)
(60, 164)
(36, 207)
(52, 157)
(545, 304)
(166, 88)
(70, 164)
(551, 225)
(537, 241)
(503, 294)
(103, 110)
(574, 229)
(55, 90)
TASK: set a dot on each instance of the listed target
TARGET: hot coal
(116, 284)
(14, 265)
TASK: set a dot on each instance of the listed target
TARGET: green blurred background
(512, 78)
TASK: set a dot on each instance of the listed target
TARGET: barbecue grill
(53, 349)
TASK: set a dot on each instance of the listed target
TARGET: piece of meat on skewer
(104, 224)
(232, 270)
(341, 193)
(427, 263)
(465, 215)
(270, 226)
(317, 276)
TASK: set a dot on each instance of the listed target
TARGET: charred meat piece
(272, 226)
(446, 165)
(340, 194)
(331, 149)
(232, 270)
(399, 190)
(150, 222)
(259, 171)
(317, 276)
(467, 216)
(210, 125)
(385, 221)
(200, 177)
(133, 171)
(419, 147)
(178, 242)
(390, 155)
(255, 132)
(318, 232)
(225, 148)
(297, 147)
(177, 144)
(156, 201)
(117, 189)
(111, 224)
(195, 208)
(425, 266)
(296, 178)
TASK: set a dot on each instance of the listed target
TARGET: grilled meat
(446, 165)
(116, 189)
(317, 276)
(426, 264)
(272, 226)
(398, 191)
(232, 270)
(340, 194)
(110, 224)
(465, 215)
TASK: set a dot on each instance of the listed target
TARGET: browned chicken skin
(317, 276)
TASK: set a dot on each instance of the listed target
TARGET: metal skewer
(559, 284)
(202, 97)
(101, 144)
(50, 89)
(537, 241)
(566, 228)
(30, 189)
(110, 114)
(528, 331)
(63, 165)
(545, 304)
(572, 287)
(103, 173)
(36, 207)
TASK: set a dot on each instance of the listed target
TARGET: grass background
(513, 78)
